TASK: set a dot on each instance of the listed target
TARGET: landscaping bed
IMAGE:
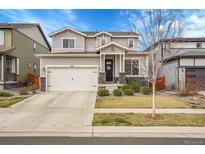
(130, 119)
(143, 101)
(9, 102)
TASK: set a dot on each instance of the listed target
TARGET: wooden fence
(34, 79)
(160, 84)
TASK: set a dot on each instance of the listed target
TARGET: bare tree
(158, 29)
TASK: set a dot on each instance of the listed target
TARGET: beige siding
(124, 41)
(79, 42)
(90, 44)
(67, 61)
(187, 62)
(34, 33)
(24, 51)
(200, 62)
(7, 38)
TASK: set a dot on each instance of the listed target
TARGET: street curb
(119, 131)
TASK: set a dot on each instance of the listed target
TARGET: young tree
(158, 29)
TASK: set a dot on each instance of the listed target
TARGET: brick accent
(122, 78)
(102, 77)
(43, 83)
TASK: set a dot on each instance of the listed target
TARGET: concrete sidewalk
(119, 110)
(116, 131)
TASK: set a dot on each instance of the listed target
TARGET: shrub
(146, 90)
(134, 86)
(103, 92)
(125, 87)
(128, 92)
(5, 94)
(117, 92)
(23, 91)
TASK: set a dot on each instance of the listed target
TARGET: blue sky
(97, 20)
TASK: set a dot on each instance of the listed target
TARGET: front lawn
(130, 119)
(141, 102)
(8, 102)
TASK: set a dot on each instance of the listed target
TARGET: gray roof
(192, 53)
(186, 39)
(114, 33)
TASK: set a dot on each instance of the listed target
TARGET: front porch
(112, 68)
(8, 70)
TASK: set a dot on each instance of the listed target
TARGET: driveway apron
(50, 112)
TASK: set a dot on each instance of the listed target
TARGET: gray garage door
(195, 78)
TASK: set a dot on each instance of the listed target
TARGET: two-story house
(81, 61)
(184, 63)
(18, 44)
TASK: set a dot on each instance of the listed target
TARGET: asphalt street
(99, 141)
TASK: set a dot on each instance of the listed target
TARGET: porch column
(2, 68)
(104, 63)
(120, 63)
(100, 63)
(123, 60)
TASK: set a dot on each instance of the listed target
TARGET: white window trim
(3, 38)
(200, 44)
(74, 38)
(139, 75)
(133, 43)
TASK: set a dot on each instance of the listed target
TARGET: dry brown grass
(141, 102)
(129, 119)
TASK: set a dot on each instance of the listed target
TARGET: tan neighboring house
(18, 44)
(84, 61)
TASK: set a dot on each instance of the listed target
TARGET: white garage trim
(67, 66)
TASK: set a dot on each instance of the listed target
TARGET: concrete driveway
(50, 112)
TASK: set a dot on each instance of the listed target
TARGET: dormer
(102, 38)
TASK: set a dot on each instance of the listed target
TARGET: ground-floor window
(132, 67)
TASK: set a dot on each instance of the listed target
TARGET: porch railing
(11, 77)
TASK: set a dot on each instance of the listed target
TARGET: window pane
(135, 67)
(131, 43)
(70, 43)
(1, 37)
(65, 43)
(128, 67)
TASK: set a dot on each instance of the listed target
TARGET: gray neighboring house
(18, 44)
(84, 61)
(184, 63)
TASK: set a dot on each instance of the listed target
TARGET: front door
(109, 70)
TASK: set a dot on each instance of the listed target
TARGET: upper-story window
(103, 41)
(68, 43)
(198, 45)
(131, 43)
(1, 37)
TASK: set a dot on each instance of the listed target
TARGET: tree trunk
(153, 99)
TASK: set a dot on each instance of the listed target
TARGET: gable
(34, 33)
(112, 49)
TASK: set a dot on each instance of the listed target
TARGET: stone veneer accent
(140, 80)
(43, 83)
(102, 77)
(122, 78)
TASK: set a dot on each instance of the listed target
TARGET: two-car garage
(72, 78)
(62, 73)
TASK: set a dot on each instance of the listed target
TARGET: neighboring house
(82, 61)
(18, 44)
(184, 63)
